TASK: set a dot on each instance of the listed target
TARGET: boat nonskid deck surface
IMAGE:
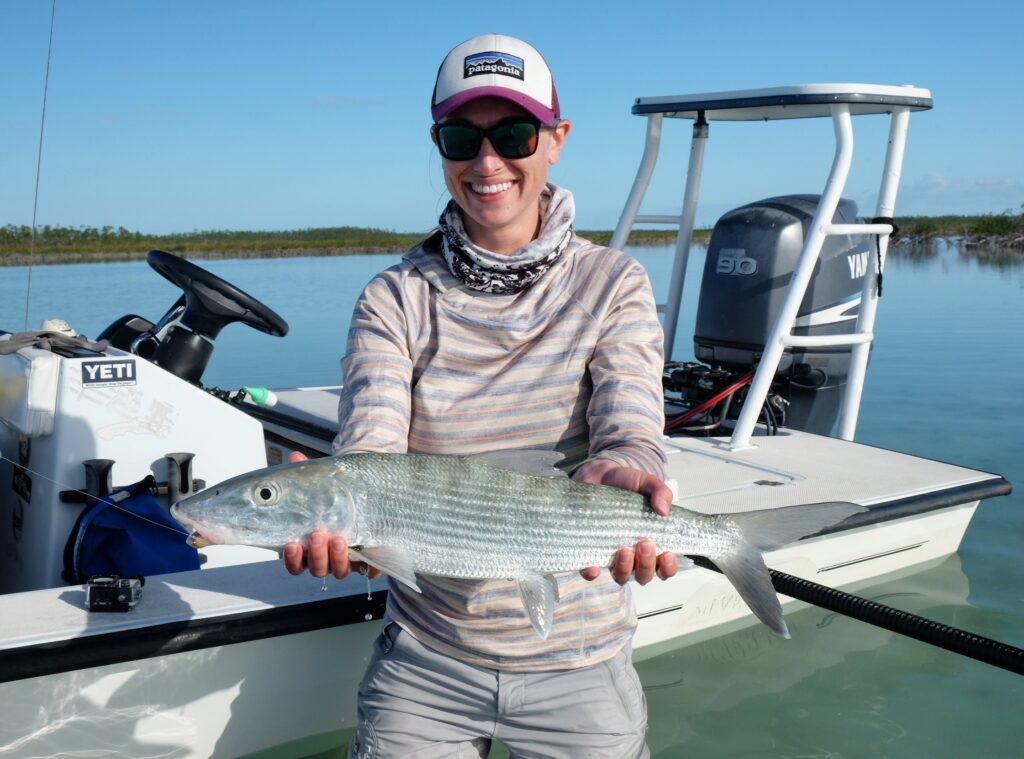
(794, 467)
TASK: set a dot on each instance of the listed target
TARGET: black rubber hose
(952, 639)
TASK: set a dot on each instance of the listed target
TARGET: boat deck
(786, 469)
(50, 630)
(796, 467)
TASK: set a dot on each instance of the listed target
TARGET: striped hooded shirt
(573, 363)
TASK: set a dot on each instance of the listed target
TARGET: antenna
(39, 163)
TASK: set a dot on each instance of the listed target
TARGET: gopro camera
(113, 593)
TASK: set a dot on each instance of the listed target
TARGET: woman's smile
(492, 189)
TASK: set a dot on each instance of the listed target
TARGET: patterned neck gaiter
(488, 272)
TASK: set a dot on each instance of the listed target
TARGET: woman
(504, 329)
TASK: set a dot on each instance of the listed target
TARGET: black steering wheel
(210, 302)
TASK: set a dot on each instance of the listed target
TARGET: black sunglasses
(515, 137)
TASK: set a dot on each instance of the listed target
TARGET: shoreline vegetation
(61, 245)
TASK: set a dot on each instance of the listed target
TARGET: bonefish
(507, 515)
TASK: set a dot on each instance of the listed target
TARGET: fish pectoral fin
(524, 461)
(391, 560)
(539, 593)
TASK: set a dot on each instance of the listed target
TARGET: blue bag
(127, 533)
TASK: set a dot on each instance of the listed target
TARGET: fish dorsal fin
(523, 460)
(391, 560)
(539, 593)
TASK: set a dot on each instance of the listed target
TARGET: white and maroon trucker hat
(493, 64)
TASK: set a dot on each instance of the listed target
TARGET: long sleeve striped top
(573, 364)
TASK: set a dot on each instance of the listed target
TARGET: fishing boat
(238, 657)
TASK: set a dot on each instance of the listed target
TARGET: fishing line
(90, 496)
(39, 163)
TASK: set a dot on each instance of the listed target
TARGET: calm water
(945, 382)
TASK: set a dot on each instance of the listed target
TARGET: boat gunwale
(150, 641)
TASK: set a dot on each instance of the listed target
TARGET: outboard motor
(751, 257)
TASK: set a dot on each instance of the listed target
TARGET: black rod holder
(97, 476)
(179, 476)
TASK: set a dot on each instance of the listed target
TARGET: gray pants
(415, 702)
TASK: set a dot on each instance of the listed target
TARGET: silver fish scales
(466, 518)
(507, 515)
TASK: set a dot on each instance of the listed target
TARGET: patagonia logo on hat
(493, 63)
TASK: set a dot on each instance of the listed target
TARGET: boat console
(78, 422)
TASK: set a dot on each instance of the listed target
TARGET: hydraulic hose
(709, 403)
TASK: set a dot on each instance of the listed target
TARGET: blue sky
(176, 116)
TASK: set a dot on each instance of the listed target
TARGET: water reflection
(93, 713)
(211, 702)
(985, 254)
(839, 688)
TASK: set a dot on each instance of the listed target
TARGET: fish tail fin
(764, 531)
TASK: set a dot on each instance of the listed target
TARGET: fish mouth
(200, 535)
(197, 536)
(196, 540)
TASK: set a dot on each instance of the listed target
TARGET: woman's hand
(323, 552)
(642, 561)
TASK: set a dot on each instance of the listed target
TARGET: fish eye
(265, 494)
